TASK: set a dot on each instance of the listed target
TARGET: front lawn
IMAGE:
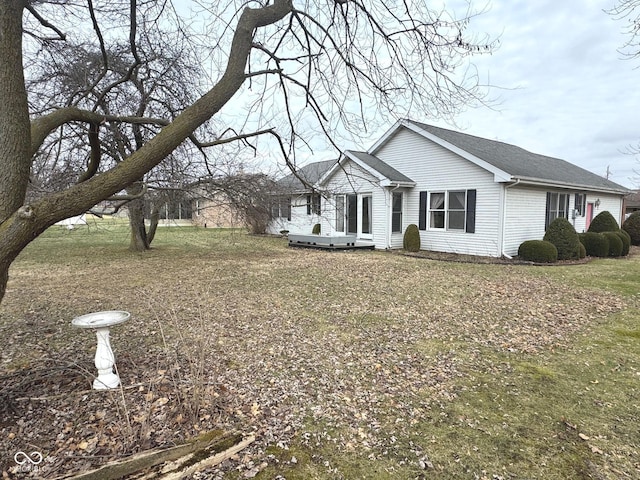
(343, 364)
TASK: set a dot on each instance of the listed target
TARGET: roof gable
(386, 174)
(306, 176)
(507, 162)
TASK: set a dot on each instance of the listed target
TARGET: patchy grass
(344, 364)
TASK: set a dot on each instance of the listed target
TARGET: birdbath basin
(104, 359)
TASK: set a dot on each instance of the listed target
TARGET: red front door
(589, 216)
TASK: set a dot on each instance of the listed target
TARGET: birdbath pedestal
(104, 360)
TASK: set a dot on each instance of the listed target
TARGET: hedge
(596, 244)
(539, 251)
(562, 234)
(604, 222)
(632, 226)
(615, 243)
(411, 240)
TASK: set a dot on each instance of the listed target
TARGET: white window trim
(446, 228)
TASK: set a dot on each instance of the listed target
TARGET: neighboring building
(466, 194)
(215, 211)
(632, 203)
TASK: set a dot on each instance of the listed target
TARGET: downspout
(504, 217)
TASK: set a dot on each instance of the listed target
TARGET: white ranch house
(467, 194)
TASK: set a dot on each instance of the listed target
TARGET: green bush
(596, 244)
(626, 241)
(539, 251)
(411, 240)
(615, 243)
(604, 222)
(562, 234)
(316, 229)
(632, 226)
(582, 252)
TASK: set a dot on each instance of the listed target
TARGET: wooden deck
(325, 242)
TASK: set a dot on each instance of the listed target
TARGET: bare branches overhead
(287, 78)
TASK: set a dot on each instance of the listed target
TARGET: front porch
(329, 242)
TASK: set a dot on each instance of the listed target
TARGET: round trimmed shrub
(582, 252)
(603, 222)
(411, 239)
(562, 234)
(615, 243)
(596, 244)
(626, 242)
(316, 229)
(539, 251)
(632, 226)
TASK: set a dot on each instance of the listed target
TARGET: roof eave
(390, 183)
(569, 186)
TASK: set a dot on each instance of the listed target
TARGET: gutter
(572, 186)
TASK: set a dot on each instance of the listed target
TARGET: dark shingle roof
(379, 166)
(310, 173)
(520, 163)
(633, 199)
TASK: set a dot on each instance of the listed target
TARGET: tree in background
(628, 12)
(296, 71)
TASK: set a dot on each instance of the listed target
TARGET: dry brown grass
(346, 358)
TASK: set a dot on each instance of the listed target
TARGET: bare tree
(334, 64)
(145, 76)
(628, 11)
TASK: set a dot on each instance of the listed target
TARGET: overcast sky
(566, 91)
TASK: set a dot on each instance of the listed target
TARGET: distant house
(632, 203)
(466, 194)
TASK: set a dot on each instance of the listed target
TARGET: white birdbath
(100, 322)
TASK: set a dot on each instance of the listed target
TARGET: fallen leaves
(337, 350)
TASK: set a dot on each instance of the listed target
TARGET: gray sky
(565, 90)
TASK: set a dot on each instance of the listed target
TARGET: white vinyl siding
(436, 169)
(524, 217)
(349, 180)
(300, 222)
(526, 213)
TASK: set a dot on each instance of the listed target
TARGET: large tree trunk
(19, 225)
(139, 241)
(15, 129)
(153, 226)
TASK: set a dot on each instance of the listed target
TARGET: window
(448, 210)
(456, 210)
(340, 213)
(581, 203)
(557, 206)
(366, 214)
(281, 208)
(436, 210)
(396, 212)
(313, 204)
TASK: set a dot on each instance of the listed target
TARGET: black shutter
(422, 219)
(308, 204)
(471, 212)
(547, 211)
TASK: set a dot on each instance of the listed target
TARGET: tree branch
(45, 23)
